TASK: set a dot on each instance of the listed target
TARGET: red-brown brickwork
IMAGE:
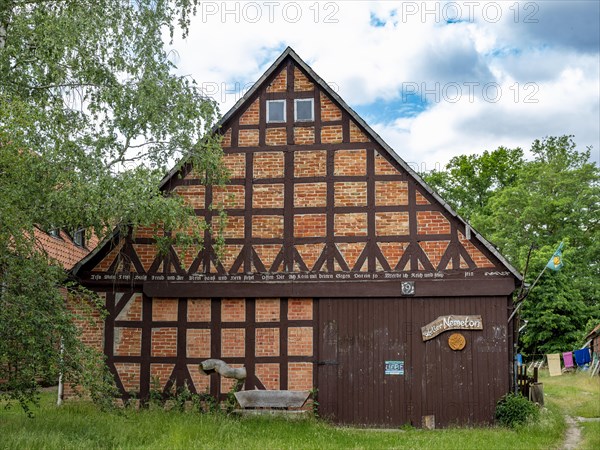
(267, 253)
(432, 222)
(300, 309)
(267, 342)
(351, 251)
(90, 322)
(354, 224)
(331, 134)
(228, 383)
(248, 138)
(390, 193)
(392, 251)
(276, 136)
(235, 164)
(310, 225)
(279, 83)
(312, 163)
(329, 112)
(300, 341)
(233, 229)
(434, 251)
(160, 374)
(146, 254)
(267, 196)
(231, 196)
(186, 255)
(164, 309)
(193, 195)
(233, 310)
(143, 232)
(310, 195)
(132, 309)
(301, 83)
(198, 310)
(269, 227)
(421, 200)
(310, 253)
(268, 374)
(350, 162)
(198, 343)
(304, 135)
(391, 223)
(356, 135)
(383, 167)
(478, 258)
(129, 373)
(267, 309)
(351, 194)
(233, 342)
(200, 380)
(128, 341)
(268, 165)
(226, 141)
(300, 376)
(251, 115)
(164, 342)
(230, 254)
(105, 264)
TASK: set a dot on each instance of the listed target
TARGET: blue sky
(434, 79)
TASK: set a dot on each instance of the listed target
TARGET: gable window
(54, 232)
(275, 110)
(79, 237)
(304, 110)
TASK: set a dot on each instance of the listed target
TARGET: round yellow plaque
(457, 341)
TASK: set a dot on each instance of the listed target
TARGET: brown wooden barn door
(356, 339)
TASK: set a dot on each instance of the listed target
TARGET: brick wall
(304, 135)
(432, 222)
(350, 193)
(268, 165)
(301, 82)
(329, 112)
(311, 163)
(267, 196)
(276, 136)
(350, 162)
(310, 225)
(391, 223)
(251, 115)
(389, 193)
(310, 195)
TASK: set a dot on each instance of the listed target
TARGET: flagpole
(527, 293)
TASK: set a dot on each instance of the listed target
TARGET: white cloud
(369, 64)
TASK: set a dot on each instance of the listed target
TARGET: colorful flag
(556, 262)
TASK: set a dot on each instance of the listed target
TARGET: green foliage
(314, 394)
(514, 410)
(91, 115)
(515, 204)
(231, 402)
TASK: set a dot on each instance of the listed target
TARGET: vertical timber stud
(215, 342)
(283, 343)
(330, 205)
(412, 226)
(247, 248)
(316, 326)
(250, 344)
(288, 214)
(181, 372)
(146, 348)
(371, 238)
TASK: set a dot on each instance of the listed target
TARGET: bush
(513, 410)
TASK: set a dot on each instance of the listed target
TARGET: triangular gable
(246, 109)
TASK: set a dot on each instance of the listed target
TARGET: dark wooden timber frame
(127, 273)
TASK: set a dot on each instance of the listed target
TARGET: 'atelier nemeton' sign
(444, 323)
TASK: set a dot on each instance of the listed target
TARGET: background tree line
(517, 203)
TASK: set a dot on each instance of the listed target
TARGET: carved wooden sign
(445, 323)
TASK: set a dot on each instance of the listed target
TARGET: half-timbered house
(342, 270)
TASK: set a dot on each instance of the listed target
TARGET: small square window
(304, 110)
(79, 237)
(54, 232)
(275, 110)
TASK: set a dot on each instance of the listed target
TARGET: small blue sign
(394, 367)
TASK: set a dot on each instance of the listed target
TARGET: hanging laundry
(582, 356)
(554, 364)
(568, 360)
(519, 359)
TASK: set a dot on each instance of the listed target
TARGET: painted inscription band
(445, 323)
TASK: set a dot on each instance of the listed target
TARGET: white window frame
(269, 102)
(312, 104)
(79, 232)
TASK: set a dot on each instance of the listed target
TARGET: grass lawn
(81, 425)
(578, 395)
